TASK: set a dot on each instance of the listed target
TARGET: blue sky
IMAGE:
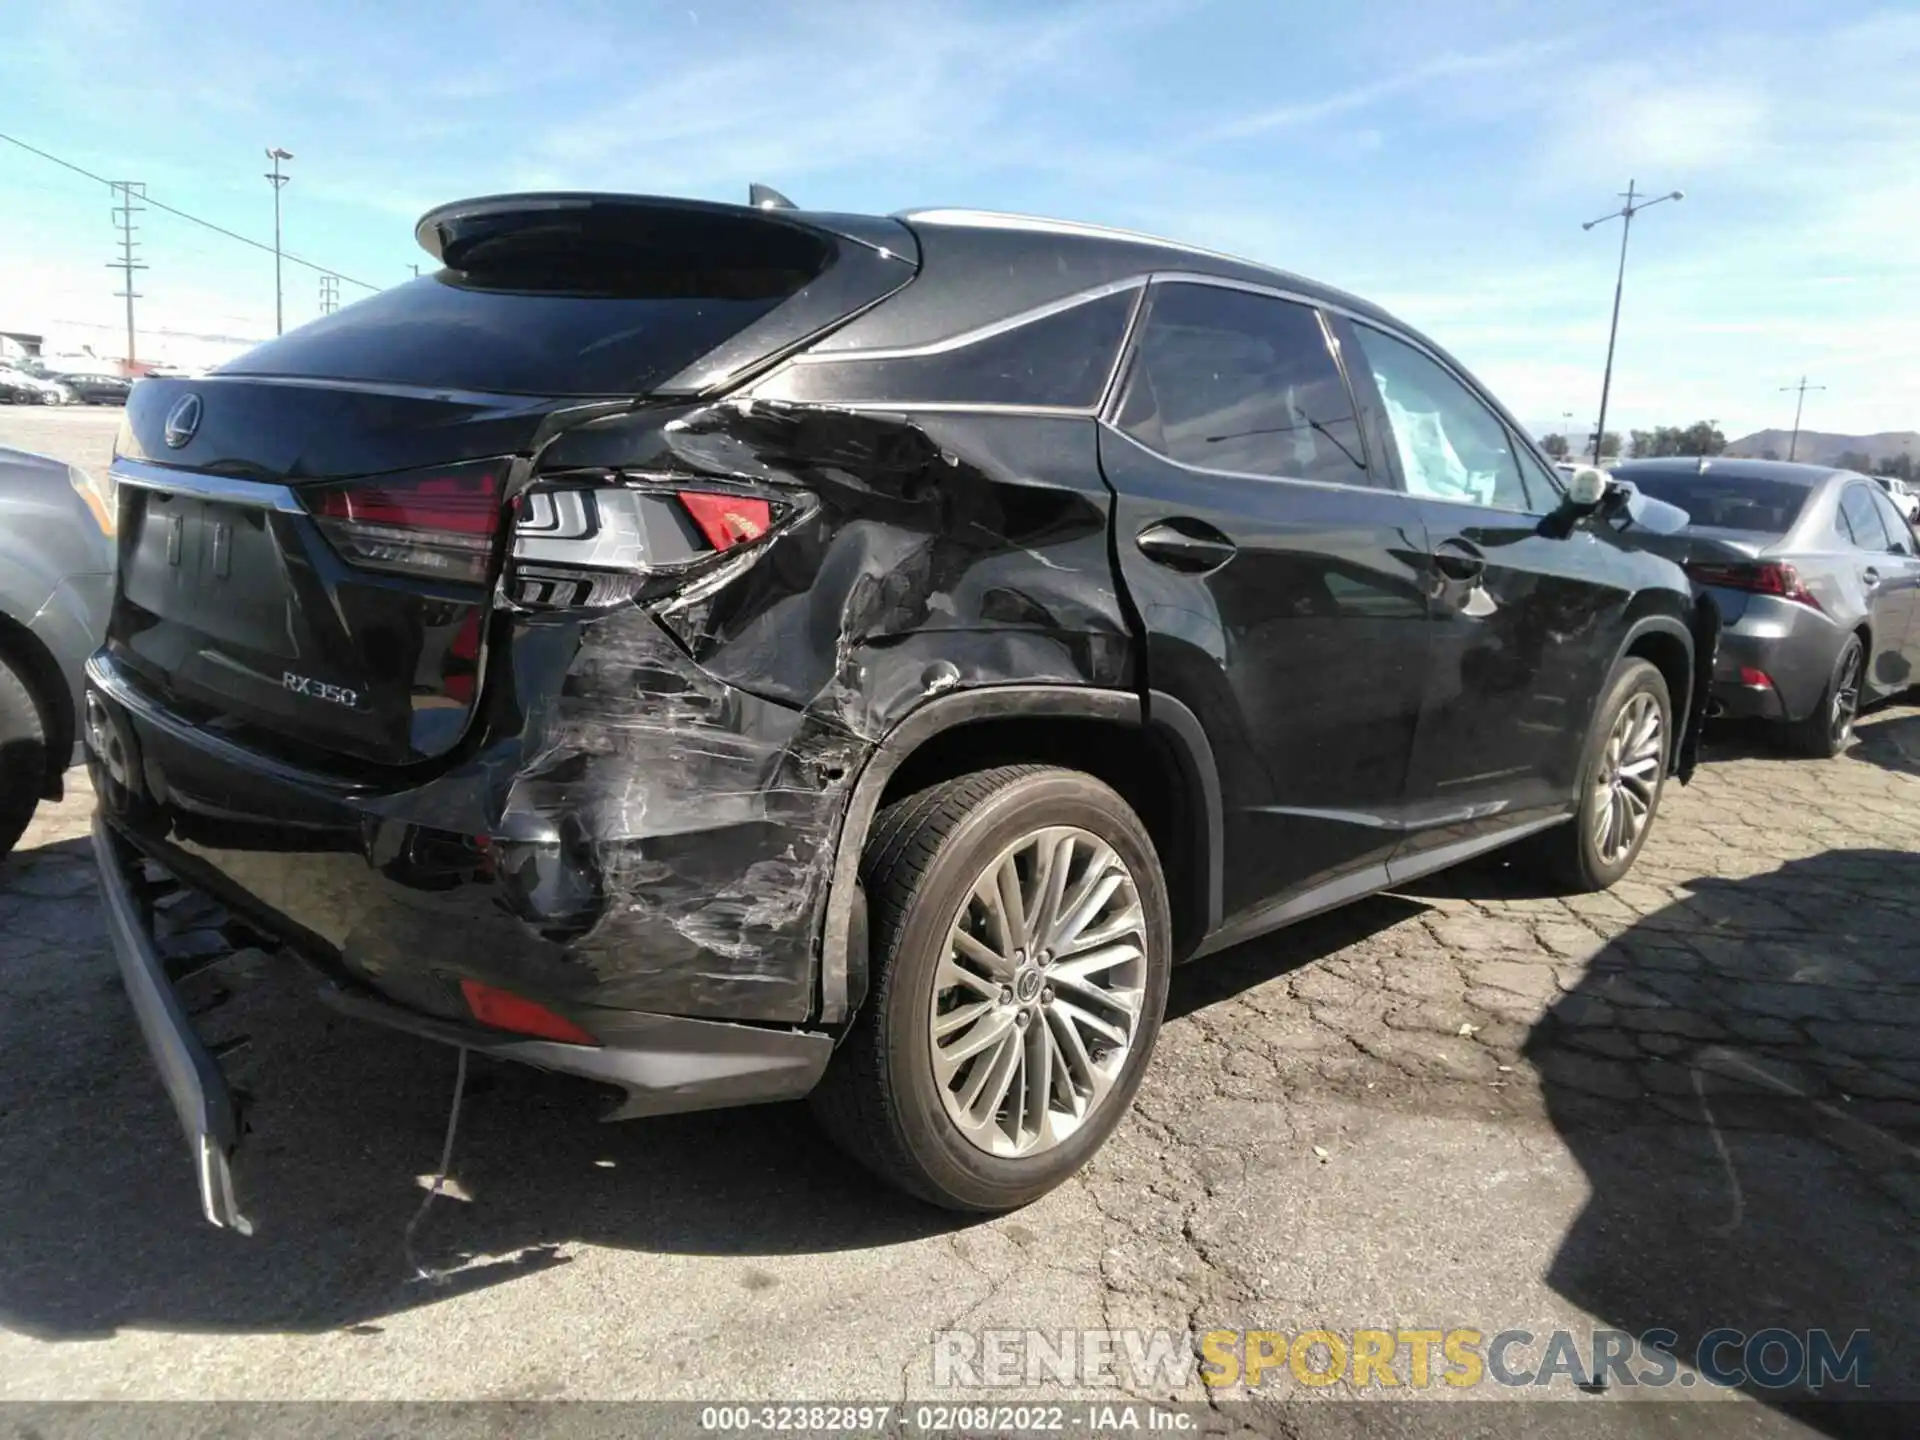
(1435, 157)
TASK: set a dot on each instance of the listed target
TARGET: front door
(1526, 618)
(1890, 577)
(1278, 581)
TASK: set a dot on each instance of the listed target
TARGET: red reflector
(505, 1010)
(437, 524)
(1758, 678)
(727, 520)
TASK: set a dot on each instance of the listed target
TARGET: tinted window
(586, 300)
(1864, 519)
(1062, 359)
(1899, 532)
(1226, 380)
(1726, 502)
(1452, 447)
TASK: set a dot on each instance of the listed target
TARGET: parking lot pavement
(78, 434)
(1690, 1103)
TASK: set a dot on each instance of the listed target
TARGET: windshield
(1728, 502)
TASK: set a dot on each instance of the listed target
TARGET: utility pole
(416, 271)
(1625, 215)
(276, 155)
(129, 193)
(1793, 445)
(329, 294)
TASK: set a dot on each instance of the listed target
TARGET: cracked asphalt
(1690, 1103)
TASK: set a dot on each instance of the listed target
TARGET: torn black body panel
(645, 813)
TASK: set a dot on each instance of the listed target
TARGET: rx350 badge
(319, 690)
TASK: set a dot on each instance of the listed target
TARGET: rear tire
(23, 756)
(1623, 770)
(960, 964)
(1826, 732)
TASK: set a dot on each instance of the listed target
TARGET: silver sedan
(1816, 574)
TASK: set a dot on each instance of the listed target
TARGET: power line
(172, 210)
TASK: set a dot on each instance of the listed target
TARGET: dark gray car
(56, 584)
(1816, 577)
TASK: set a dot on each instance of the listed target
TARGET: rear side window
(1227, 380)
(1899, 532)
(586, 303)
(1060, 360)
(1863, 519)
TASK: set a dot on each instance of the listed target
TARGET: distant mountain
(1820, 448)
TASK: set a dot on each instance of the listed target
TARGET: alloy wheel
(1846, 695)
(1628, 778)
(1036, 1003)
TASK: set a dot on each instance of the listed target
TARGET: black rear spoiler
(856, 260)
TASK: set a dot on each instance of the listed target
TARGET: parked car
(24, 388)
(94, 388)
(17, 389)
(1905, 497)
(56, 574)
(737, 654)
(1815, 574)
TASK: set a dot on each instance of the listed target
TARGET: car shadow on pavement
(1890, 741)
(1739, 1076)
(100, 1226)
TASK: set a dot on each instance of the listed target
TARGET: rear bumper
(665, 1064)
(622, 860)
(1793, 646)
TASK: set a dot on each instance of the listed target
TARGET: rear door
(1277, 578)
(1526, 620)
(1883, 559)
(1904, 549)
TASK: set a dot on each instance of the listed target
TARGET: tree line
(1703, 437)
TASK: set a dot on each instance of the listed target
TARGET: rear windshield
(571, 302)
(437, 331)
(1728, 502)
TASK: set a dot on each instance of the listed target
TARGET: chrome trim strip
(255, 493)
(1120, 434)
(938, 407)
(976, 335)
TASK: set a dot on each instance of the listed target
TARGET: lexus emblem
(182, 421)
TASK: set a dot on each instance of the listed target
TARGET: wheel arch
(1152, 751)
(1668, 644)
(34, 663)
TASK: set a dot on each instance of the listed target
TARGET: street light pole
(1625, 215)
(276, 155)
(1793, 445)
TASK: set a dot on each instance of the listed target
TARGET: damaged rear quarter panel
(673, 825)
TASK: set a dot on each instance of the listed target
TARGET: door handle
(1870, 577)
(1459, 559)
(1192, 546)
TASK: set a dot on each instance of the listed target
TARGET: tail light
(600, 540)
(1768, 577)
(437, 524)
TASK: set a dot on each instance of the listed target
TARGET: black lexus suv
(737, 653)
